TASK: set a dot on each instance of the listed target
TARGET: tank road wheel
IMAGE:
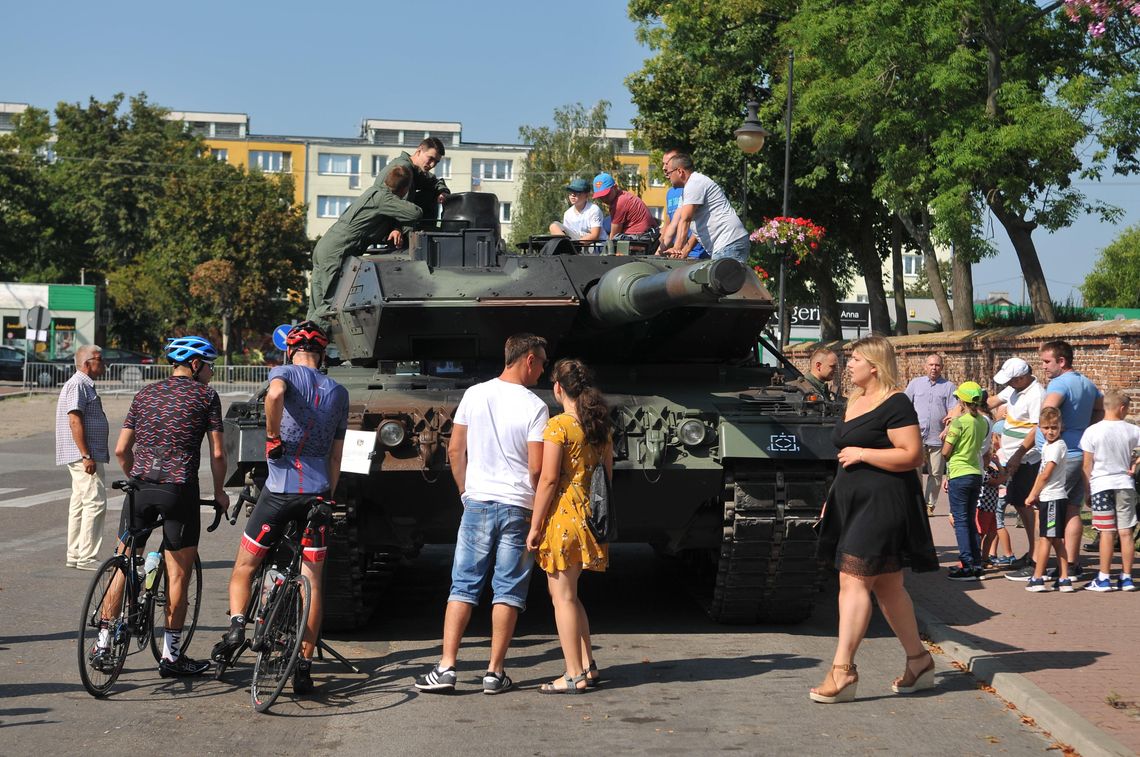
(767, 569)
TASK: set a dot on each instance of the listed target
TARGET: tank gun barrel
(640, 290)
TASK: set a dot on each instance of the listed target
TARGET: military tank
(719, 459)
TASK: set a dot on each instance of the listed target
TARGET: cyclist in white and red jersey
(306, 415)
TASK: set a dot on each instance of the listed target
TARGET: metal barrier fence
(128, 378)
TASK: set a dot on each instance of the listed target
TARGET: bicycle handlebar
(130, 487)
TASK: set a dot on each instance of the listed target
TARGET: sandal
(571, 685)
(910, 683)
(837, 693)
(593, 677)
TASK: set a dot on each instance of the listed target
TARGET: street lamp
(750, 138)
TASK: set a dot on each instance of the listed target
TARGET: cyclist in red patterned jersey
(306, 415)
(159, 448)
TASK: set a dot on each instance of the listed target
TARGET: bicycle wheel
(100, 666)
(158, 608)
(281, 642)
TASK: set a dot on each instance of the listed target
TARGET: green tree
(1114, 281)
(26, 232)
(920, 287)
(709, 58)
(574, 147)
(139, 203)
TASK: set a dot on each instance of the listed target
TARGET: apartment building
(8, 112)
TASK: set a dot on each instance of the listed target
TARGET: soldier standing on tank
(428, 190)
(381, 213)
(496, 457)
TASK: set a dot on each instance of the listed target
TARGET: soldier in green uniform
(428, 191)
(380, 213)
(823, 364)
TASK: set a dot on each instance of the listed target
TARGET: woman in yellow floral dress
(575, 442)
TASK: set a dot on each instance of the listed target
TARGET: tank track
(767, 569)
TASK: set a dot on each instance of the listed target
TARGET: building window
(386, 136)
(232, 131)
(337, 163)
(656, 180)
(220, 154)
(443, 168)
(504, 212)
(492, 170)
(912, 264)
(630, 178)
(378, 163)
(657, 211)
(270, 161)
(331, 206)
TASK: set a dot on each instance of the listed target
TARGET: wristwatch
(87, 457)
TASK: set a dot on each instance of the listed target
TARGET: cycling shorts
(271, 518)
(178, 504)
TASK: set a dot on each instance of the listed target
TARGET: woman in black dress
(874, 523)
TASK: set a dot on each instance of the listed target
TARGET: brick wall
(1108, 352)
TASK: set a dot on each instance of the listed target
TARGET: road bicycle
(122, 604)
(278, 608)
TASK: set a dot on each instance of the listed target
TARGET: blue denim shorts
(737, 250)
(491, 532)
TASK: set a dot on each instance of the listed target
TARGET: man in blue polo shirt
(1081, 404)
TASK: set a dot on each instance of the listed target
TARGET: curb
(1062, 722)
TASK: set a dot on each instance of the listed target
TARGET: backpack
(601, 521)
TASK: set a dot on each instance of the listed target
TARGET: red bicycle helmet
(307, 336)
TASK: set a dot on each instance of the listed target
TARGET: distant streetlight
(750, 138)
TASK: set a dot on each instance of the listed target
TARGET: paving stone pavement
(1079, 648)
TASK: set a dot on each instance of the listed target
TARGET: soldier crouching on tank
(381, 213)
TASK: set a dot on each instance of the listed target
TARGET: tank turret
(456, 297)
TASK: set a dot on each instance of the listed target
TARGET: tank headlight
(392, 433)
(691, 433)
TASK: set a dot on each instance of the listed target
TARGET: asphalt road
(675, 682)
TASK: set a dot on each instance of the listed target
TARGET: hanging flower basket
(793, 239)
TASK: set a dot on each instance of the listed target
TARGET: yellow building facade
(268, 155)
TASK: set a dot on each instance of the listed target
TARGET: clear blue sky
(491, 66)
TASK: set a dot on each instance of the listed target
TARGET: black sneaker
(437, 680)
(1024, 574)
(958, 573)
(496, 683)
(1079, 574)
(1025, 561)
(182, 667)
(302, 680)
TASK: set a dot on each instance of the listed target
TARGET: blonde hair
(877, 351)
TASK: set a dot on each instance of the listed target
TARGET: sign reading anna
(850, 314)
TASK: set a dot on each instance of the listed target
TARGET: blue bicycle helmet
(183, 349)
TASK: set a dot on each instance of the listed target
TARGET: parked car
(41, 371)
(11, 364)
(112, 356)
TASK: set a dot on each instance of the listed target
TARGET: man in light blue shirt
(1081, 404)
(933, 397)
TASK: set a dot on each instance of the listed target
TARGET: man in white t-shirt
(1022, 398)
(704, 203)
(496, 455)
(583, 219)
